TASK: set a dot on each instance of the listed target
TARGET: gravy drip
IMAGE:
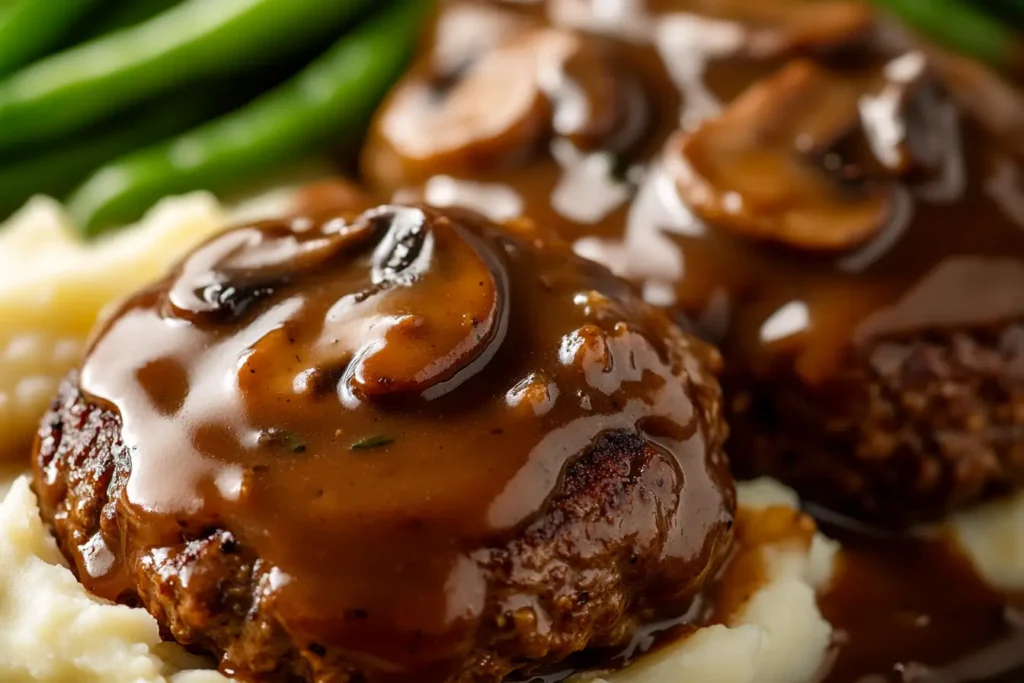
(364, 402)
(938, 137)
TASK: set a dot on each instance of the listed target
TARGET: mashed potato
(53, 287)
(52, 630)
(992, 536)
(8, 473)
(778, 635)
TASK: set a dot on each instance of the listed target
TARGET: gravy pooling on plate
(820, 193)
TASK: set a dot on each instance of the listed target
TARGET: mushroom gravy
(629, 129)
(799, 180)
(912, 610)
(375, 404)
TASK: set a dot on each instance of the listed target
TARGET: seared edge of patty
(557, 588)
(927, 425)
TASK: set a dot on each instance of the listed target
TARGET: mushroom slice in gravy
(762, 168)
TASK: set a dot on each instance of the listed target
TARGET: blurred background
(109, 105)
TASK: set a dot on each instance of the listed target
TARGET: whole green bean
(69, 90)
(30, 28)
(333, 96)
(961, 26)
(57, 171)
(122, 15)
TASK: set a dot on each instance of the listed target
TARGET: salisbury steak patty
(866, 288)
(927, 424)
(826, 170)
(407, 446)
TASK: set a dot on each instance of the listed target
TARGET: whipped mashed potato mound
(992, 537)
(53, 287)
(53, 631)
(778, 635)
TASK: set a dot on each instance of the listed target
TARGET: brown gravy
(615, 195)
(368, 402)
(913, 610)
(949, 253)
(905, 609)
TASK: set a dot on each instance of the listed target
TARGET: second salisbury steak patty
(403, 446)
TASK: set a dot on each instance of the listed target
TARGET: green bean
(332, 97)
(30, 28)
(961, 26)
(122, 15)
(69, 90)
(56, 171)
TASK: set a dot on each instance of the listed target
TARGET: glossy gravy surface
(937, 138)
(947, 250)
(366, 401)
(912, 610)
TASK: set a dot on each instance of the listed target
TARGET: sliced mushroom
(235, 270)
(540, 82)
(438, 303)
(774, 26)
(989, 99)
(465, 31)
(763, 168)
(415, 303)
(992, 100)
(787, 26)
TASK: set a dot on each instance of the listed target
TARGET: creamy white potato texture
(53, 631)
(53, 287)
(777, 636)
(992, 536)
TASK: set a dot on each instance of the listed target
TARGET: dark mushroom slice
(539, 83)
(905, 114)
(424, 349)
(240, 267)
(758, 169)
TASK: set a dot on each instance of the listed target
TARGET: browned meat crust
(923, 427)
(207, 591)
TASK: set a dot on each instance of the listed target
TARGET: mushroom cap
(535, 84)
(756, 169)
